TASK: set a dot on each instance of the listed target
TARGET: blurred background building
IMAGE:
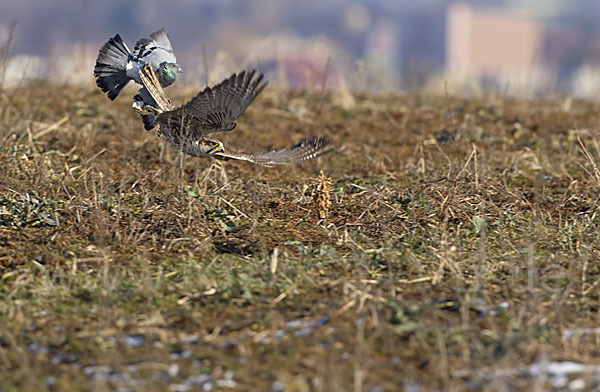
(508, 46)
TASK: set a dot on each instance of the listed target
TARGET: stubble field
(449, 244)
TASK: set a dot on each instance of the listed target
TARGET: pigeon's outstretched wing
(155, 50)
(302, 151)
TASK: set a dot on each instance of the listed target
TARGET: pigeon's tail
(110, 70)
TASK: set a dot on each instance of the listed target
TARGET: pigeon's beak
(179, 70)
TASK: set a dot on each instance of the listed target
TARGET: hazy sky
(44, 24)
(356, 29)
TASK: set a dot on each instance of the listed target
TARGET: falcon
(116, 65)
(215, 109)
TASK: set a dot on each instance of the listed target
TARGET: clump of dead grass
(321, 200)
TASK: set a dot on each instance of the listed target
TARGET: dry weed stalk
(5, 51)
(321, 199)
(595, 174)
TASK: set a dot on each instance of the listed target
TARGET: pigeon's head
(167, 73)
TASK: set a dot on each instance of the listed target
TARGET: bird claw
(145, 110)
(140, 108)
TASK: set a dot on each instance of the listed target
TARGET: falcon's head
(167, 73)
(206, 146)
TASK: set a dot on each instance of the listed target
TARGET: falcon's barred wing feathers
(215, 109)
(150, 82)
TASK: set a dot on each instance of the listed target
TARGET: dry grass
(446, 237)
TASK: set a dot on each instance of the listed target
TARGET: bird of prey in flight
(116, 65)
(215, 109)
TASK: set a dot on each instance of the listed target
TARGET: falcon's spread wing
(150, 82)
(215, 109)
(155, 50)
(302, 151)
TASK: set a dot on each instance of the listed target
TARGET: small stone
(278, 386)
(133, 340)
(179, 387)
(577, 385)
(173, 370)
(189, 339)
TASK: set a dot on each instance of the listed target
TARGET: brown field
(450, 244)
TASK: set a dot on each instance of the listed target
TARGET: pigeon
(116, 65)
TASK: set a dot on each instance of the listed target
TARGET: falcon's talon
(145, 110)
(142, 112)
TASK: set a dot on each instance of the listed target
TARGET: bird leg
(145, 110)
(152, 110)
(139, 107)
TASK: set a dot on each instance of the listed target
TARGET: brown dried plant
(321, 200)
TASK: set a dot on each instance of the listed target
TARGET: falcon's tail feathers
(304, 150)
(110, 70)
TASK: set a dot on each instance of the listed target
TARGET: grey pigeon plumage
(116, 65)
